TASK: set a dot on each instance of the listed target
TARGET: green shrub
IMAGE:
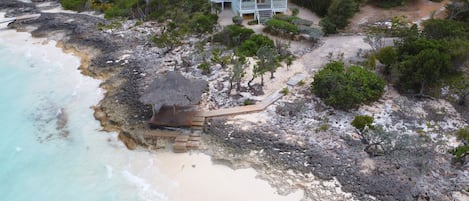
(318, 6)
(295, 11)
(281, 26)
(462, 150)
(347, 88)
(251, 45)
(445, 29)
(387, 56)
(252, 22)
(294, 20)
(248, 102)
(285, 91)
(205, 67)
(370, 62)
(233, 35)
(138, 23)
(328, 27)
(76, 5)
(203, 23)
(314, 33)
(324, 127)
(340, 11)
(362, 121)
(238, 20)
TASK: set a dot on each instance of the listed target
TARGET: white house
(262, 9)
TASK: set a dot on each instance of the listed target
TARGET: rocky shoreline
(287, 155)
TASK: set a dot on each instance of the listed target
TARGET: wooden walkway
(241, 109)
(20, 18)
(199, 118)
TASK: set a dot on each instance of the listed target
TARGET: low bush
(77, 5)
(233, 35)
(238, 20)
(462, 150)
(203, 23)
(294, 20)
(313, 33)
(281, 26)
(362, 121)
(250, 46)
(347, 88)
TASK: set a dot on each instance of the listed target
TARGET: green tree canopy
(252, 45)
(347, 88)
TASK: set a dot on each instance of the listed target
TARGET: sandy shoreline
(190, 176)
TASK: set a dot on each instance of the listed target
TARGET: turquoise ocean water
(51, 148)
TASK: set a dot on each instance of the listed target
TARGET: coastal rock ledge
(329, 164)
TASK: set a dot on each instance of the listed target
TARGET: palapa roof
(174, 89)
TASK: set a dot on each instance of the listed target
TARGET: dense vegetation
(318, 6)
(423, 60)
(335, 13)
(180, 17)
(458, 10)
(338, 15)
(346, 88)
(291, 26)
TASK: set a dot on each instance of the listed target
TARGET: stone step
(193, 144)
(182, 138)
(196, 133)
(194, 139)
(180, 147)
(198, 123)
(198, 118)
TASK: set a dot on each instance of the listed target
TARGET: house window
(260, 1)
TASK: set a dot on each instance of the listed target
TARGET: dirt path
(348, 45)
(415, 12)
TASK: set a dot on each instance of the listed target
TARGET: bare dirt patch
(414, 11)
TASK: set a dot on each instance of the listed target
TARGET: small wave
(145, 191)
(109, 171)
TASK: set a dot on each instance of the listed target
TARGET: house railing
(248, 5)
(279, 4)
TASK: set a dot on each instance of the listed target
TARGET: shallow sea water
(51, 147)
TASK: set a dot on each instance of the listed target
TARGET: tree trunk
(231, 87)
(262, 80)
(462, 98)
(272, 75)
(238, 86)
(422, 87)
(250, 81)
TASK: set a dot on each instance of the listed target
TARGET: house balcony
(280, 5)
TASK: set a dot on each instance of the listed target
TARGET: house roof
(174, 89)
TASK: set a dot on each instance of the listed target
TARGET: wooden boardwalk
(199, 118)
(241, 109)
(20, 18)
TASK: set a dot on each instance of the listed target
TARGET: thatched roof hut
(173, 89)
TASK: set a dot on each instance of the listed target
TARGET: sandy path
(348, 45)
